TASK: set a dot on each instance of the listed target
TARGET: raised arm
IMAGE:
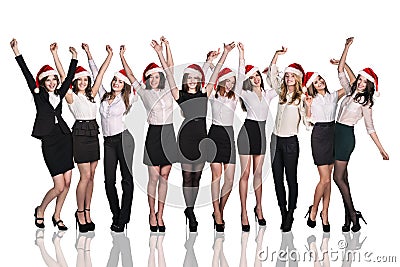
(272, 73)
(210, 85)
(24, 68)
(99, 78)
(170, 77)
(170, 60)
(93, 68)
(241, 76)
(210, 58)
(57, 62)
(71, 72)
(350, 73)
(344, 82)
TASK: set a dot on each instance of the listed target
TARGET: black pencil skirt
(221, 148)
(57, 151)
(344, 141)
(85, 136)
(191, 149)
(322, 143)
(160, 146)
(251, 138)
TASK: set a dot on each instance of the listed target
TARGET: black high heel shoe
(356, 226)
(217, 226)
(310, 222)
(261, 221)
(192, 219)
(245, 227)
(83, 227)
(347, 222)
(325, 227)
(153, 228)
(59, 224)
(161, 228)
(91, 225)
(39, 225)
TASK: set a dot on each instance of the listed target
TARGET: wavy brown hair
(366, 96)
(313, 92)
(296, 94)
(248, 87)
(221, 90)
(185, 87)
(88, 89)
(125, 92)
(42, 81)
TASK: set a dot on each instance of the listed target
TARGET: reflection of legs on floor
(190, 257)
(243, 255)
(121, 245)
(160, 250)
(59, 254)
(151, 262)
(259, 241)
(287, 251)
(39, 241)
(218, 256)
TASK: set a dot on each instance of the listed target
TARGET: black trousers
(284, 157)
(119, 148)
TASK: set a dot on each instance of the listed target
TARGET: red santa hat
(122, 76)
(150, 69)
(80, 72)
(196, 70)
(249, 71)
(370, 75)
(224, 74)
(296, 69)
(309, 78)
(44, 71)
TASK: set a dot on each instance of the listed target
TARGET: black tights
(340, 176)
(191, 174)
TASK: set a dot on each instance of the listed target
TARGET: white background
(314, 32)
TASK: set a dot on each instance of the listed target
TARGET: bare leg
(216, 169)
(162, 191)
(154, 173)
(89, 191)
(61, 197)
(245, 161)
(84, 170)
(258, 161)
(322, 191)
(229, 173)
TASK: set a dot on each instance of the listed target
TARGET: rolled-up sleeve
(369, 123)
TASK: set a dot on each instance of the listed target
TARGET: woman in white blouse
(357, 104)
(251, 141)
(85, 132)
(160, 145)
(284, 141)
(119, 144)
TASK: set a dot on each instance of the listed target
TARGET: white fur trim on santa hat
(47, 73)
(151, 71)
(122, 77)
(81, 74)
(36, 90)
(366, 75)
(193, 71)
(294, 70)
(251, 72)
(312, 78)
(226, 76)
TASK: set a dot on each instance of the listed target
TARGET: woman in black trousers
(52, 130)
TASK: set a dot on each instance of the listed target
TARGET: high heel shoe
(91, 224)
(356, 226)
(217, 226)
(59, 224)
(153, 228)
(261, 221)
(161, 228)
(245, 227)
(325, 227)
(310, 222)
(39, 225)
(83, 227)
(347, 221)
(192, 219)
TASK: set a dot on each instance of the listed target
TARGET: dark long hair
(125, 92)
(366, 96)
(161, 85)
(221, 90)
(248, 87)
(88, 89)
(42, 81)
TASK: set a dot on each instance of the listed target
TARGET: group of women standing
(332, 143)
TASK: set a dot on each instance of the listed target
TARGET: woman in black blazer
(52, 130)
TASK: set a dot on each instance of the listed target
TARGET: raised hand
(229, 47)
(164, 40)
(156, 46)
(109, 49)
(85, 47)
(281, 51)
(73, 52)
(349, 41)
(334, 61)
(240, 47)
(14, 46)
(53, 48)
(122, 50)
(308, 100)
(212, 55)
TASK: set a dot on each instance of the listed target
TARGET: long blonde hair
(296, 93)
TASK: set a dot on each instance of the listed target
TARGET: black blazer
(45, 112)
